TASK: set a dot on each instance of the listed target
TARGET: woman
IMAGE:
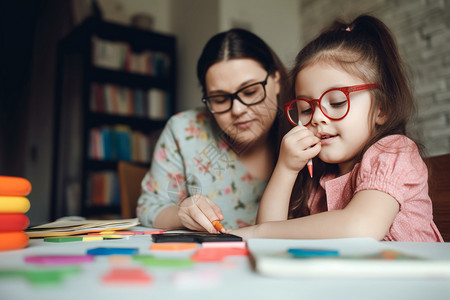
(212, 164)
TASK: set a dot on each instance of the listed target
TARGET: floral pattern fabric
(191, 157)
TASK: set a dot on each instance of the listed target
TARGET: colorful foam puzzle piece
(173, 246)
(112, 251)
(149, 260)
(217, 254)
(300, 252)
(59, 259)
(41, 276)
(14, 186)
(127, 276)
(63, 239)
(241, 244)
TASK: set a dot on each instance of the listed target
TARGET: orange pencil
(218, 226)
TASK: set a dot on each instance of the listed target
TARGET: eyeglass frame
(346, 90)
(234, 95)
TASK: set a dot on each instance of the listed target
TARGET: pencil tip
(310, 169)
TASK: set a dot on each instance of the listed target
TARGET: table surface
(234, 277)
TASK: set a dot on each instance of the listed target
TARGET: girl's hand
(297, 147)
(197, 213)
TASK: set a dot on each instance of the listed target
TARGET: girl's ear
(381, 117)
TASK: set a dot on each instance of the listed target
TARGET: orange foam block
(13, 222)
(217, 254)
(127, 276)
(13, 240)
(14, 204)
(173, 246)
(14, 186)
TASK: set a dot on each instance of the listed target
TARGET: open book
(355, 257)
(71, 227)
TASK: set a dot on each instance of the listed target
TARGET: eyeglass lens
(333, 104)
(248, 95)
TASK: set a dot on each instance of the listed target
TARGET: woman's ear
(276, 78)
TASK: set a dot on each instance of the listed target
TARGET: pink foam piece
(59, 259)
(242, 245)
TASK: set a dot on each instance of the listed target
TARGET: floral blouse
(191, 157)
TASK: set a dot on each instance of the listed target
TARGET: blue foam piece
(112, 251)
(312, 252)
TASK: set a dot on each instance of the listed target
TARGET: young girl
(352, 103)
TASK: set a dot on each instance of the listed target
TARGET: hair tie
(348, 29)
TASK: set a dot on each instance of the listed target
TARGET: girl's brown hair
(366, 49)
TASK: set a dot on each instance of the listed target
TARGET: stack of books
(118, 55)
(118, 100)
(13, 206)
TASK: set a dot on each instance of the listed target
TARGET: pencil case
(13, 222)
(13, 240)
(14, 186)
(14, 204)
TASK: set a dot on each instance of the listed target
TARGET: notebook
(72, 227)
(338, 258)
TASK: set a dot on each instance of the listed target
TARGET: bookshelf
(115, 90)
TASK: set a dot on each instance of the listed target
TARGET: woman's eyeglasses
(249, 95)
(334, 104)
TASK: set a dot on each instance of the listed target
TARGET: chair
(439, 190)
(130, 177)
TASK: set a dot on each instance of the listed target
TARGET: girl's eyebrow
(303, 97)
(329, 88)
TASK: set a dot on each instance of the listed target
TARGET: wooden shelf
(75, 77)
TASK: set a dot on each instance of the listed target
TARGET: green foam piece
(41, 276)
(150, 260)
(63, 239)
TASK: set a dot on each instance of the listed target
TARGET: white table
(232, 278)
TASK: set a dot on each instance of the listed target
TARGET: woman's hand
(297, 147)
(197, 213)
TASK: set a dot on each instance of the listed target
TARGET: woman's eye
(249, 93)
(218, 99)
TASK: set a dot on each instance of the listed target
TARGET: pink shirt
(394, 166)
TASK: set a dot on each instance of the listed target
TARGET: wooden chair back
(439, 190)
(130, 177)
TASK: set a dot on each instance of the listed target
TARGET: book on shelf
(157, 108)
(120, 142)
(103, 188)
(118, 55)
(117, 100)
(72, 227)
(108, 54)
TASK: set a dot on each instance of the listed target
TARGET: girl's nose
(318, 117)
